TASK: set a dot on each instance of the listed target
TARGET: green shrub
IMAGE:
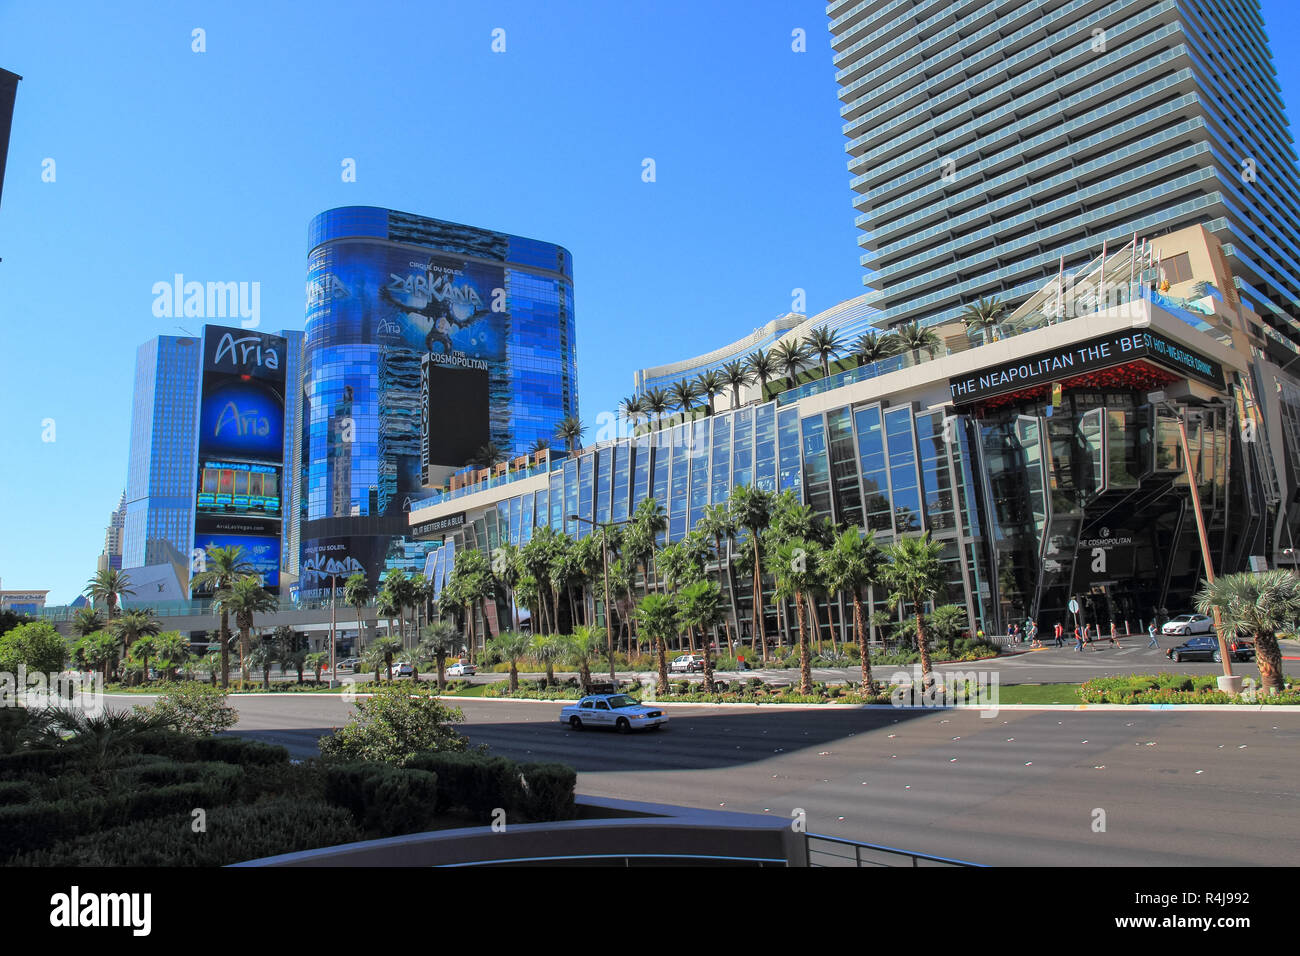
(237, 750)
(477, 782)
(37, 824)
(547, 792)
(17, 791)
(199, 710)
(383, 799)
(168, 743)
(393, 725)
(45, 760)
(233, 835)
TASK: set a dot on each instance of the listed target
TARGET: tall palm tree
(222, 567)
(794, 566)
(851, 564)
(791, 357)
(872, 347)
(506, 564)
(570, 431)
(683, 394)
(540, 444)
(356, 595)
(440, 639)
(699, 605)
(133, 625)
(547, 649)
(825, 344)
(657, 617)
(917, 338)
(763, 366)
(648, 522)
(1258, 605)
(914, 574)
(487, 456)
(582, 648)
(736, 376)
(386, 606)
(751, 508)
(87, 620)
(108, 585)
(717, 524)
(245, 598)
(710, 383)
(172, 650)
(384, 649)
(656, 402)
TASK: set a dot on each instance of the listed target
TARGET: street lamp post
(604, 555)
(1227, 682)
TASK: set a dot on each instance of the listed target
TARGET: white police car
(619, 711)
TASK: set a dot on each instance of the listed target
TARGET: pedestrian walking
(1114, 635)
(1151, 629)
(1059, 633)
(1078, 638)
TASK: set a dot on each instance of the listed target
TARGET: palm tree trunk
(225, 648)
(243, 655)
(441, 657)
(1268, 658)
(663, 665)
(867, 683)
(805, 660)
(921, 646)
(759, 636)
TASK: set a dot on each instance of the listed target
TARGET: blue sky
(211, 164)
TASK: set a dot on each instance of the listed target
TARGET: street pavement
(1022, 787)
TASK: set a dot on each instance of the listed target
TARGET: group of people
(1083, 635)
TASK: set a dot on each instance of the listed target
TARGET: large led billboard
(241, 447)
(454, 405)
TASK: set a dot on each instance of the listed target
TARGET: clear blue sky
(212, 164)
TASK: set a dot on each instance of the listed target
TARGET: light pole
(1227, 682)
(604, 554)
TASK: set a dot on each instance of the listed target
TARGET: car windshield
(1183, 618)
(622, 700)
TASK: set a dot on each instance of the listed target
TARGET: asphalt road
(1023, 787)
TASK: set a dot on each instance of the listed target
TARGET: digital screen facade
(240, 483)
(388, 293)
(455, 403)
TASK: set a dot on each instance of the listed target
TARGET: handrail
(880, 848)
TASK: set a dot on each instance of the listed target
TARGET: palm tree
(633, 408)
(223, 566)
(386, 606)
(751, 507)
(709, 383)
(547, 649)
(134, 624)
(357, 594)
(385, 648)
(405, 595)
(735, 375)
(656, 402)
(98, 651)
(510, 646)
(142, 648)
(763, 366)
(791, 357)
(108, 585)
(172, 649)
(683, 394)
(700, 605)
(917, 338)
(852, 563)
(717, 524)
(506, 572)
(87, 620)
(570, 431)
(648, 522)
(794, 565)
(657, 617)
(210, 664)
(825, 344)
(872, 347)
(1258, 605)
(984, 313)
(583, 648)
(245, 598)
(914, 576)
(440, 639)
(487, 456)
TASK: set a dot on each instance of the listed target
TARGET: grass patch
(1039, 694)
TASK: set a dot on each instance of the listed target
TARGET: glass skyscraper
(991, 141)
(160, 476)
(401, 307)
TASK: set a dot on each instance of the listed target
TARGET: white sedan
(619, 711)
(462, 669)
(1185, 624)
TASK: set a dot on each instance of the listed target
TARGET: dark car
(1207, 649)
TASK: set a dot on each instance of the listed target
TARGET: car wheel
(622, 726)
(575, 723)
(1178, 658)
(1218, 657)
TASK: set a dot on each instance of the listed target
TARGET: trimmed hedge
(17, 791)
(239, 751)
(548, 791)
(384, 799)
(233, 835)
(476, 782)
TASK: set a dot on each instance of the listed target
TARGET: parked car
(1207, 649)
(348, 665)
(619, 711)
(1184, 625)
(402, 669)
(687, 664)
(462, 669)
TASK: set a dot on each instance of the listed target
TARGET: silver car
(1187, 624)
